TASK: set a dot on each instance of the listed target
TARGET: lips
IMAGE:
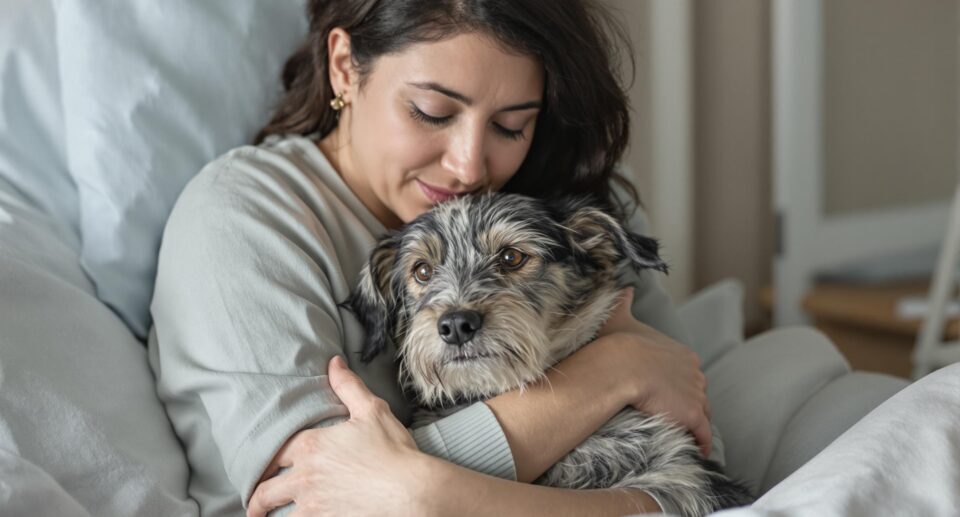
(438, 195)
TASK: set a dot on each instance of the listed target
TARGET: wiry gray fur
(532, 317)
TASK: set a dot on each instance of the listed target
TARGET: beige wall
(734, 223)
(890, 103)
(730, 224)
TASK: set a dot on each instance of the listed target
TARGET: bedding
(80, 422)
(32, 152)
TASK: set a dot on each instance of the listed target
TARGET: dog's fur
(530, 317)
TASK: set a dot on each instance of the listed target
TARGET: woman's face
(435, 121)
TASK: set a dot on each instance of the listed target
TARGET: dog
(484, 293)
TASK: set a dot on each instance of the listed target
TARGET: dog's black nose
(458, 327)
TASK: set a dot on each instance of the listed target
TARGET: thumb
(349, 387)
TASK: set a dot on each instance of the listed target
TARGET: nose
(458, 327)
(465, 157)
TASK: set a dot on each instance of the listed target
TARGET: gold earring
(338, 103)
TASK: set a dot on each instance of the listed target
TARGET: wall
(734, 222)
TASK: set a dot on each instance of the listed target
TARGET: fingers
(349, 387)
(704, 436)
(272, 493)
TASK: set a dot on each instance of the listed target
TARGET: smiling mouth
(438, 196)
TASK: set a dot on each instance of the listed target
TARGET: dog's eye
(422, 272)
(512, 258)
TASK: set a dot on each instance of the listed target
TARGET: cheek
(505, 162)
(389, 144)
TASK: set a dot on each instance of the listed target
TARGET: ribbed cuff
(472, 438)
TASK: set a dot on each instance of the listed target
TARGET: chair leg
(931, 334)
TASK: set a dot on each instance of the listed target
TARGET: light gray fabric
(76, 395)
(26, 489)
(32, 148)
(151, 92)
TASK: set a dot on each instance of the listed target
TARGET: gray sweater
(258, 251)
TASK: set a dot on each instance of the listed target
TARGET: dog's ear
(376, 298)
(593, 233)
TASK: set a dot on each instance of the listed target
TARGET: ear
(594, 233)
(375, 300)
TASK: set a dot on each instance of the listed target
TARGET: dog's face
(482, 294)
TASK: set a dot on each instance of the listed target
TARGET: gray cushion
(756, 388)
(713, 319)
(825, 416)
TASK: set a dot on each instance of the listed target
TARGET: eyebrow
(467, 100)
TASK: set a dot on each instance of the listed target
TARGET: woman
(393, 106)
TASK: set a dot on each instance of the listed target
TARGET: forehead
(481, 224)
(482, 70)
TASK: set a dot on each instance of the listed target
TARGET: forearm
(449, 489)
(551, 417)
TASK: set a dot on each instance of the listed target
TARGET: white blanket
(901, 459)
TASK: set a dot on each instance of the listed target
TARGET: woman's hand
(663, 375)
(358, 467)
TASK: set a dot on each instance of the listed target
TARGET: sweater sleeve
(472, 438)
(245, 322)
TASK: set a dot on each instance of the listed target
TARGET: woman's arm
(373, 445)
(449, 489)
(630, 364)
(649, 371)
(542, 425)
(551, 417)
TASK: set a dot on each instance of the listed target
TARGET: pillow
(152, 91)
(713, 318)
(32, 154)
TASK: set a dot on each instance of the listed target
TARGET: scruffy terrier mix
(482, 294)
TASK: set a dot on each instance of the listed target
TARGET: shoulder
(259, 180)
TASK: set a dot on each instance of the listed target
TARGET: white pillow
(152, 91)
(32, 154)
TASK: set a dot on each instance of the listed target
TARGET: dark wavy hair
(583, 126)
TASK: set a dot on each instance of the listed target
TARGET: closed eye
(418, 114)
